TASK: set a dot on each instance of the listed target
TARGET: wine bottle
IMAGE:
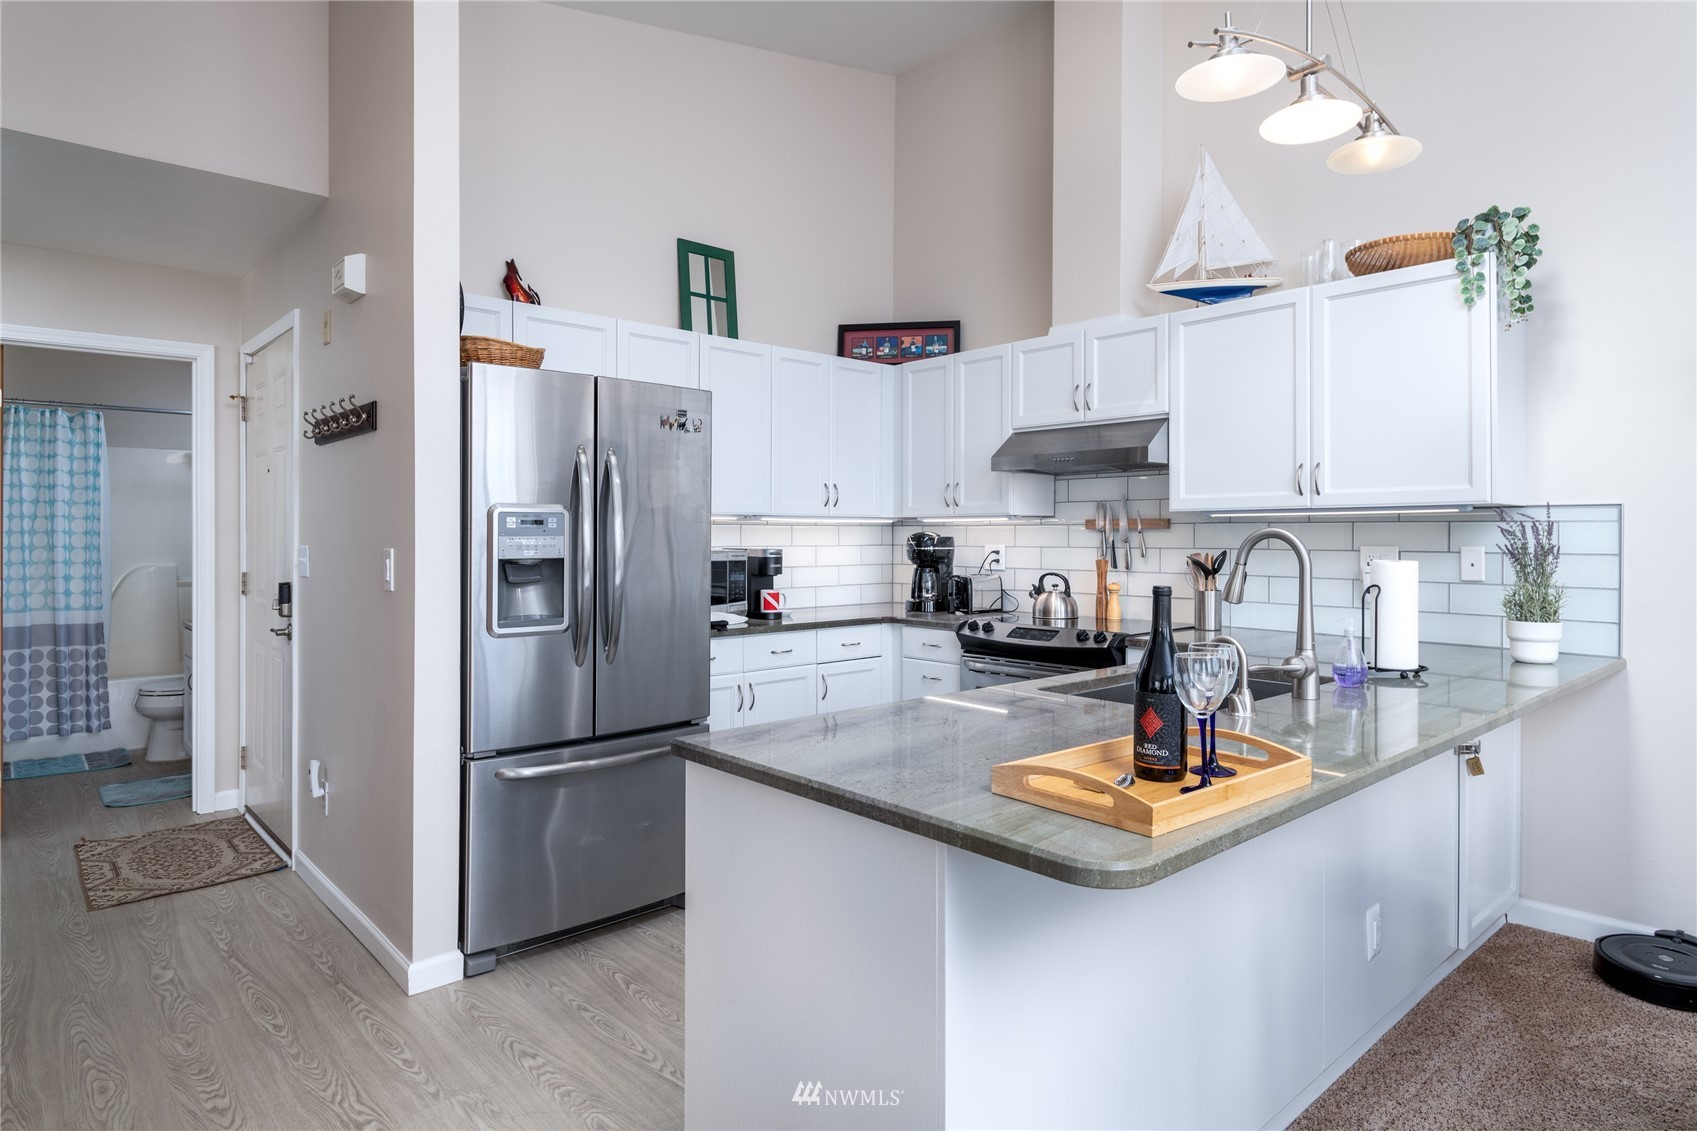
(1160, 740)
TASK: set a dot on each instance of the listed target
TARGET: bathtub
(129, 729)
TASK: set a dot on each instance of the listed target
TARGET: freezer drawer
(561, 838)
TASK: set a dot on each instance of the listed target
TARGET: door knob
(287, 632)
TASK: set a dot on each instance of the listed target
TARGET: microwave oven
(727, 581)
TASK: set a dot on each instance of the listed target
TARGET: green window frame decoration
(707, 289)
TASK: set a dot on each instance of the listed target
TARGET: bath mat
(65, 764)
(146, 791)
(133, 868)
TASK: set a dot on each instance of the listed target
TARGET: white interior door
(268, 645)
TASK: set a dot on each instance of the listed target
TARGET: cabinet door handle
(825, 499)
(946, 495)
(1299, 489)
(782, 651)
(927, 644)
(1316, 479)
(849, 644)
(826, 684)
(933, 678)
(1075, 398)
(1089, 388)
(751, 697)
(957, 494)
(739, 698)
(834, 496)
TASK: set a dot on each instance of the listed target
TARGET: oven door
(992, 671)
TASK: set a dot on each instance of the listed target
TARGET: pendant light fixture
(1235, 70)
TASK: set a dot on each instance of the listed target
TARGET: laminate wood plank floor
(250, 1005)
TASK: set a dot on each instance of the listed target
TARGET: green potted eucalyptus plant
(1534, 599)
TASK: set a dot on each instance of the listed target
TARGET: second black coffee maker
(933, 558)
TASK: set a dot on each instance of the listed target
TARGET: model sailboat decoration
(1214, 245)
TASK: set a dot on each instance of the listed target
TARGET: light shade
(1231, 72)
(1314, 116)
(1376, 150)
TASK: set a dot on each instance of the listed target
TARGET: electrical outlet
(994, 557)
(1473, 563)
(326, 327)
(1372, 932)
(1368, 553)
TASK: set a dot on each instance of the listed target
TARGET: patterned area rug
(133, 868)
(147, 791)
(65, 764)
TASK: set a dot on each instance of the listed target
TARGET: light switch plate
(1473, 563)
(1371, 936)
(326, 327)
(1368, 553)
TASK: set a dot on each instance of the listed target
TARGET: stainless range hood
(1087, 449)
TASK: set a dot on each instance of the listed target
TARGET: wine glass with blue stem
(1205, 676)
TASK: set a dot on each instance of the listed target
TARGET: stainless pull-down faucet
(1302, 669)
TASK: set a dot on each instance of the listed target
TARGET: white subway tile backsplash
(864, 535)
(817, 535)
(1455, 628)
(808, 577)
(1039, 536)
(838, 555)
(1434, 597)
(1434, 567)
(1479, 600)
(1589, 571)
(1588, 537)
(800, 556)
(1592, 605)
(1588, 638)
(1404, 535)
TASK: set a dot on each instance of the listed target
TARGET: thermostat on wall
(347, 278)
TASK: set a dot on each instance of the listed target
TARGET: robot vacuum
(1659, 968)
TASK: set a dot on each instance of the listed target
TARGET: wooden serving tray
(1080, 781)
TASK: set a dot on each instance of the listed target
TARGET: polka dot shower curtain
(55, 617)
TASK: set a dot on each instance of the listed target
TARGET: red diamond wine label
(1150, 722)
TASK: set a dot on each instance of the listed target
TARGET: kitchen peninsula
(866, 916)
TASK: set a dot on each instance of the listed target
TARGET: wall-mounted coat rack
(339, 420)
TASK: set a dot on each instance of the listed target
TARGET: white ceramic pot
(1532, 642)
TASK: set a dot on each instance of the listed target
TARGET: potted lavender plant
(1534, 600)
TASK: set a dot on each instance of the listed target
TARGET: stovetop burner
(1083, 645)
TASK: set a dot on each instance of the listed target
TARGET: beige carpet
(133, 868)
(1522, 1035)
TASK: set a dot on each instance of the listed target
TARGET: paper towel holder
(1373, 665)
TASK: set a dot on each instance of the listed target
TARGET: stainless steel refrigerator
(585, 573)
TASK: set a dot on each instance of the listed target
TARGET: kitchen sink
(1127, 691)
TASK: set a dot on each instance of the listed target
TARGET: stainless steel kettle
(1053, 606)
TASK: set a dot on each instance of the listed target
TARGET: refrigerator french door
(585, 572)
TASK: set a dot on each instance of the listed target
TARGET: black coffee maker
(933, 559)
(765, 600)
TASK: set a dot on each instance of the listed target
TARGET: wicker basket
(495, 351)
(1400, 251)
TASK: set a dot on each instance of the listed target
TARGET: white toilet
(162, 705)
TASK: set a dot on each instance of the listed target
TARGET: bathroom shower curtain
(55, 616)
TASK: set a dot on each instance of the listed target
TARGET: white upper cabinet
(1048, 381)
(927, 431)
(954, 417)
(571, 342)
(862, 424)
(739, 375)
(1239, 429)
(488, 317)
(1125, 369)
(1381, 391)
(801, 453)
(1401, 391)
(659, 354)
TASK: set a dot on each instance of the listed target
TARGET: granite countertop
(923, 765)
(837, 616)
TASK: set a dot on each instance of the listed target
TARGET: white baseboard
(1359, 1049)
(1574, 924)
(226, 799)
(413, 977)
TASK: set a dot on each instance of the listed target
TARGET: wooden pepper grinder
(1101, 591)
(1113, 604)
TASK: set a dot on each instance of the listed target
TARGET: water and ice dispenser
(527, 570)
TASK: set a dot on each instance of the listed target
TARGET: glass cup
(1206, 674)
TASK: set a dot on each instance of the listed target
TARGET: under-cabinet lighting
(1382, 513)
(759, 520)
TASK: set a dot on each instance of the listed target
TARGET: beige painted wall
(356, 641)
(1611, 778)
(238, 89)
(973, 185)
(109, 296)
(592, 144)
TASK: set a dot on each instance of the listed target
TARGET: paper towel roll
(1397, 643)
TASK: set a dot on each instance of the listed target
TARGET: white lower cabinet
(1488, 813)
(726, 700)
(783, 693)
(928, 677)
(851, 683)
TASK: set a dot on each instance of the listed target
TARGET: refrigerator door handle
(615, 517)
(558, 769)
(583, 496)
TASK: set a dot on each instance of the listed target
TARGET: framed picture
(892, 343)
